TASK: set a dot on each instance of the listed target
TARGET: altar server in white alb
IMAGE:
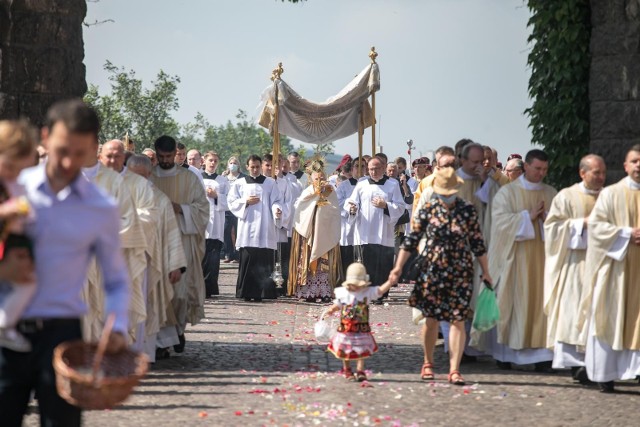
(347, 228)
(565, 244)
(613, 271)
(286, 219)
(376, 205)
(216, 187)
(256, 201)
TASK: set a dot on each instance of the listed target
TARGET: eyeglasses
(513, 170)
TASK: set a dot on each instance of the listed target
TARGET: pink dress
(353, 340)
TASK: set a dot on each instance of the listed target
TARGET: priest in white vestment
(112, 156)
(613, 271)
(316, 267)
(375, 206)
(516, 262)
(566, 240)
(217, 188)
(164, 269)
(134, 245)
(256, 201)
(191, 207)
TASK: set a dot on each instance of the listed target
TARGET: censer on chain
(276, 276)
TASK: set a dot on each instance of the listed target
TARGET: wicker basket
(91, 379)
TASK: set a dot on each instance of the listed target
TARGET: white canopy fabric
(320, 123)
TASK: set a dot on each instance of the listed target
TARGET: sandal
(426, 373)
(458, 378)
(348, 374)
(361, 376)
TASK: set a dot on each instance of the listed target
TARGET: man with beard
(192, 212)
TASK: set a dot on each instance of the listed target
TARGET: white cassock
(374, 227)
(303, 178)
(185, 189)
(134, 245)
(347, 229)
(287, 200)
(256, 223)
(516, 264)
(296, 191)
(217, 206)
(565, 251)
(612, 270)
(257, 234)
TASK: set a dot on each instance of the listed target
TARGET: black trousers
(230, 234)
(20, 373)
(378, 260)
(211, 266)
(348, 257)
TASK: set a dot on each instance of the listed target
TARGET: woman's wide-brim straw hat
(356, 276)
(446, 181)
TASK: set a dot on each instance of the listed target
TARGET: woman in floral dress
(445, 284)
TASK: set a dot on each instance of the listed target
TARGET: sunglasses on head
(514, 156)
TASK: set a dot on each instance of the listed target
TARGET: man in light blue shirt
(74, 221)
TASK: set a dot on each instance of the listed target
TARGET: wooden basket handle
(102, 347)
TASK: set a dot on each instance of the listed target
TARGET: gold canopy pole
(360, 132)
(373, 55)
(275, 77)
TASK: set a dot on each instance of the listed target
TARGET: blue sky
(449, 68)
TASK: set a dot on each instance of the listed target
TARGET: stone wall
(41, 54)
(614, 87)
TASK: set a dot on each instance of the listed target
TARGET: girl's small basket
(89, 378)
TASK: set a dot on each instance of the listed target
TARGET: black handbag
(415, 268)
(405, 218)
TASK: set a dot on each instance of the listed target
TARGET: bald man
(566, 243)
(194, 158)
(112, 156)
(132, 236)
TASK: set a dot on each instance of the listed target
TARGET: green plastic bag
(487, 313)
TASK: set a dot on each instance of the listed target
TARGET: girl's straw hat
(446, 181)
(356, 276)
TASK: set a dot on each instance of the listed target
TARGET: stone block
(35, 106)
(616, 39)
(63, 7)
(615, 78)
(613, 150)
(45, 70)
(607, 11)
(9, 106)
(615, 119)
(47, 30)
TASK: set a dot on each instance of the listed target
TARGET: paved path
(258, 364)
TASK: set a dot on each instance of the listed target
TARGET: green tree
(240, 138)
(145, 113)
(559, 84)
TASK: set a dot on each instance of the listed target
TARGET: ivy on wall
(559, 82)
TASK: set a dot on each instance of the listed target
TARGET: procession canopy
(319, 123)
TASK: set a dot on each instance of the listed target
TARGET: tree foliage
(558, 86)
(147, 112)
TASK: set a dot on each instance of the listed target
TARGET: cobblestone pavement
(258, 364)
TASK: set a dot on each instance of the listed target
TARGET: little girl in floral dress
(354, 341)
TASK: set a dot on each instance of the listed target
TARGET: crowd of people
(93, 229)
